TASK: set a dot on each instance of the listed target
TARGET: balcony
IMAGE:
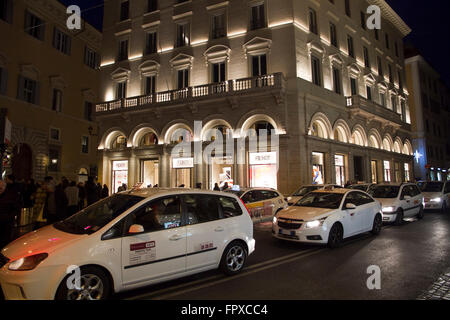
(194, 94)
(370, 110)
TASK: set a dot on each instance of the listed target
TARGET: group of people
(47, 202)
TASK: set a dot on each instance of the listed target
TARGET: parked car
(361, 186)
(129, 240)
(437, 195)
(399, 201)
(304, 190)
(261, 202)
(328, 217)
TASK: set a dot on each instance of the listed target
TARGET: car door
(254, 202)
(206, 231)
(369, 207)
(406, 204)
(352, 219)
(159, 252)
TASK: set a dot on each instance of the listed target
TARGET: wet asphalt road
(411, 257)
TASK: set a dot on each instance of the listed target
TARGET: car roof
(150, 192)
(250, 189)
(395, 184)
(335, 190)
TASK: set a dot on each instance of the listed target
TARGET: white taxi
(327, 216)
(304, 190)
(437, 195)
(262, 203)
(129, 240)
(399, 201)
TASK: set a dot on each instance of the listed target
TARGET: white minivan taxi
(399, 201)
(129, 240)
(437, 195)
(328, 216)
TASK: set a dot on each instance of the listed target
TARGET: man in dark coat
(9, 208)
(91, 191)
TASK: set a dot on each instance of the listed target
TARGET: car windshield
(321, 200)
(96, 216)
(433, 187)
(384, 192)
(304, 190)
(361, 187)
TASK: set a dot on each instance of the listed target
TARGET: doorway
(22, 162)
(358, 164)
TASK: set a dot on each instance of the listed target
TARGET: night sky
(429, 20)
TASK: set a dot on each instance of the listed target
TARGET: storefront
(407, 172)
(263, 170)
(150, 172)
(119, 174)
(387, 171)
(182, 172)
(397, 173)
(374, 171)
(339, 164)
(221, 172)
(318, 164)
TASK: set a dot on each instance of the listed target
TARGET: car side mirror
(136, 228)
(350, 206)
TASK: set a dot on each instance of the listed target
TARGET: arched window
(223, 130)
(149, 139)
(181, 135)
(119, 142)
(262, 126)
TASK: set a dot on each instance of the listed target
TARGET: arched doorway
(22, 162)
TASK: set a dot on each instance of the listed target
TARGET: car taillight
(248, 211)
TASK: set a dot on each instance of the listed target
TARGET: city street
(411, 258)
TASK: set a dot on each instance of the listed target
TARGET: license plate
(286, 232)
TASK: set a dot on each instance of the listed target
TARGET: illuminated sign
(182, 163)
(263, 158)
(120, 165)
(417, 155)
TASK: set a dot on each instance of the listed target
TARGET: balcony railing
(192, 93)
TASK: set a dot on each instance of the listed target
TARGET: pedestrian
(91, 191)
(198, 185)
(72, 198)
(156, 186)
(39, 198)
(216, 187)
(81, 196)
(30, 189)
(181, 186)
(99, 190)
(105, 191)
(50, 203)
(9, 208)
(61, 200)
(225, 186)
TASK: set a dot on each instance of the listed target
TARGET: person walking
(81, 196)
(105, 191)
(72, 198)
(9, 208)
(225, 187)
(39, 199)
(61, 200)
(216, 187)
(91, 191)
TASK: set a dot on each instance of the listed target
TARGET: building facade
(309, 72)
(430, 117)
(49, 85)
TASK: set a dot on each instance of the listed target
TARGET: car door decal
(142, 252)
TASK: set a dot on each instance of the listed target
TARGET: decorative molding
(217, 53)
(257, 46)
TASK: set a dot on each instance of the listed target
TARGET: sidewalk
(440, 290)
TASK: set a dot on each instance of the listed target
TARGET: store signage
(263, 158)
(120, 165)
(339, 161)
(183, 163)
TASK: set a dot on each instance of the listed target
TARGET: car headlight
(27, 263)
(436, 200)
(275, 220)
(314, 224)
(388, 209)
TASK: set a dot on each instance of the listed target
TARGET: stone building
(311, 72)
(49, 85)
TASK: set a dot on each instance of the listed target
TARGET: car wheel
(420, 215)
(399, 218)
(233, 258)
(377, 225)
(336, 236)
(94, 285)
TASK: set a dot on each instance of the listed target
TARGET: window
(337, 80)
(183, 78)
(387, 171)
(383, 99)
(380, 67)
(150, 85)
(85, 144)
(400, 81)
(123, 50)
(369, 93)
(201, 208)
(152, 5)
(396, 49)
(121, 90)
(54, 134)
(218, 28)
(258, 17)
(160, 214)
(218, 72)
(333, 35)
(61, 41)
(351, 49)
(363, 20)
(3, 80)
(386, 37)
(6, 10)
(151, 43)
(313, 21)
(316, 71)
(230, 207)
(124, 10)
(28, 90)
(394, 103)
(407, 172)
(54, 160)
(377, 34)
(366, 57)
(354, 86)
(91, 58)
(391, 76)
(183, 35)
(259, 65)
(57, 100)
(88, 110)
(34, 26)
(348, 11)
